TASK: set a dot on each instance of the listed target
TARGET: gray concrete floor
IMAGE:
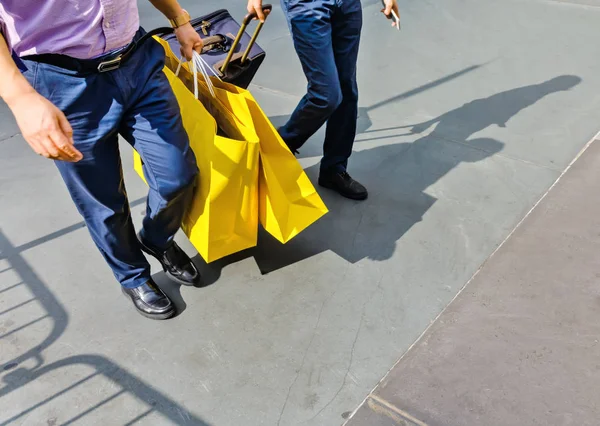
(467, 117)
(519, 346)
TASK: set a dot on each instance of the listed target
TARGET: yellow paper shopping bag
(223, 217)
(288, 201)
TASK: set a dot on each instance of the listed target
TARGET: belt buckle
(110, 65)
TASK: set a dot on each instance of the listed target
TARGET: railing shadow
(54, 311)
(15, 376)
(154, 400)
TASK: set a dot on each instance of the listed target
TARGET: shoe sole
(360, 197)
(164, 316)
(158, 317)
(149, 252)
(179, 281)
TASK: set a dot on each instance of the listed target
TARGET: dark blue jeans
(326, 36)
(137, 102)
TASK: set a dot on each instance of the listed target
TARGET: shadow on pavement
(50, 324)
(398, 199)
(364, 122)
(353, 231)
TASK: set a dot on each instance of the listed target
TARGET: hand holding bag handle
(267, 8)
(198, 62)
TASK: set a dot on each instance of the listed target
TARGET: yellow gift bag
(223, 217)
(288, 201)
(236, 189)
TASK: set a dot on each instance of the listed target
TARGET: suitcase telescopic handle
(251, 16)
(247, 19)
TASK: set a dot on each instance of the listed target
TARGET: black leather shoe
(344, 185)
(150, 301)
(177, 265)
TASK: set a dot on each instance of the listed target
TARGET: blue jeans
(326, 36)
(137, 102)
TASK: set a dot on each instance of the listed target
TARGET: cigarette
(397, 20)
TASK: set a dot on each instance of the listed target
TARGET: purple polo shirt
(82, 29)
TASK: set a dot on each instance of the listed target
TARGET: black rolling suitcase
(232, 53)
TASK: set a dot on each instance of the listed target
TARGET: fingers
(198, 46)
(56, 144)
(60, 147)
(260, 13)
(187, 52)
(66, 144)
(37, 147)
(45, 128)
(51, 144)
(44, 146)
(189, 41)
(47, 147)
(391, 12)
(388, 9)
(255, 8)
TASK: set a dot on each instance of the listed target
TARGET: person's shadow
(397, 176)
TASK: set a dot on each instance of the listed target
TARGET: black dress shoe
(344, 185)
(177, 265)
(150, 301)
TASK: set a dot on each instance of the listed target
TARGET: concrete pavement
(467, 117)
(519, 346)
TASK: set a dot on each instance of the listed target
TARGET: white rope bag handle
(198, 62)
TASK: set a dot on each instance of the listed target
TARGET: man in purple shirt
(75, 77)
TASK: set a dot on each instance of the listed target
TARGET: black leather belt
(105, 63)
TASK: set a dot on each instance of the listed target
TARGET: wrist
(14, 89)
(180, 19)
(184, 26)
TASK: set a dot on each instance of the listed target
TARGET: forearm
(170, 8)
(12, 83)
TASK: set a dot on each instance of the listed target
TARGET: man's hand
(44, 127)
(186, 35)
(391, 5)
(255, 6)
(189, 40)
